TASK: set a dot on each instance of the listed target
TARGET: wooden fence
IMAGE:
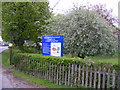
(71, 74)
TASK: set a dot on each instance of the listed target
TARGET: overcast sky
(65, 5)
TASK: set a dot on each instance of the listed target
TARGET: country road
(3, 78)
(2, 48)
(7, 80)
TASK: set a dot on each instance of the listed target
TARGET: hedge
(61, 60)
(35, 63)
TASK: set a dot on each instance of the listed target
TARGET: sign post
(52, 45)
(10, 46)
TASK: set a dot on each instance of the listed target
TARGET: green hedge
(62, 60)
(34, 63)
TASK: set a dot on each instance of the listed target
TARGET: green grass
(101, 59)
(112, 60)
(5, 59)
(38, 81)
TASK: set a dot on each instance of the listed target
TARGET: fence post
(103, 81)
(66, 77)
(113, 79)
(90, 77)
(86, 83)
(57, 81)
(63, 74)
(75, 79)
(79, 70)
(55, 74)
(95, 74)
(83, 76)
(60, 73)
(108, 79)
(45, 71)
(119, 80)
(99, 78)
(69, 75)
(72, 75)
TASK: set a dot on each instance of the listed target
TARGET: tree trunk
(73, 54)
(81, 55)
(19, 43)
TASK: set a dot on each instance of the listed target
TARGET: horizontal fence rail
(70, 75)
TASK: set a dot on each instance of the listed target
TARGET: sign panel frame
(52, 45)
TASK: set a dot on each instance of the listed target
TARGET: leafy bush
(36, 64)
(85, 32)
(33, 58)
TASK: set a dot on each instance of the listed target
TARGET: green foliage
(25, 20)
(38, 81)
(5, 59)
(34, 64)
(33, 58)
(86, 33)
(32, 79)
(30, 50)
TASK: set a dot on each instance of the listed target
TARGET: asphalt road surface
(7, 80)
(4, 81)
(2, 48)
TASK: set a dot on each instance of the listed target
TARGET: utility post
(10, 46)
(119, 44)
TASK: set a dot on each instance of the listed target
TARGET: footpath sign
(52, 45)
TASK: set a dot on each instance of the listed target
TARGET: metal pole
(119, 80)
(10, 48)
(119, 45)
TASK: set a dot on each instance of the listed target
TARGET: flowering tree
(86, 33)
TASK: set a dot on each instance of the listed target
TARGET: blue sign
(52, 45)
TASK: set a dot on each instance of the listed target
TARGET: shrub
(61, 60)
(36, 64)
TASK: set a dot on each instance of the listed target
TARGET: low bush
(63, 61)
(36, 64)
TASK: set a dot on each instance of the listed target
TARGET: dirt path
(7, 80)
(10, 81)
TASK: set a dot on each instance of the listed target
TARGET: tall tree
(25, 20)
(86, 33)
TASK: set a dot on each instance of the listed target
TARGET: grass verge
(38, 81)
(5, 59)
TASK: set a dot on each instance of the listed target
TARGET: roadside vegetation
(27, 73)
(38, 81)
(90, 37)
(29, 78)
